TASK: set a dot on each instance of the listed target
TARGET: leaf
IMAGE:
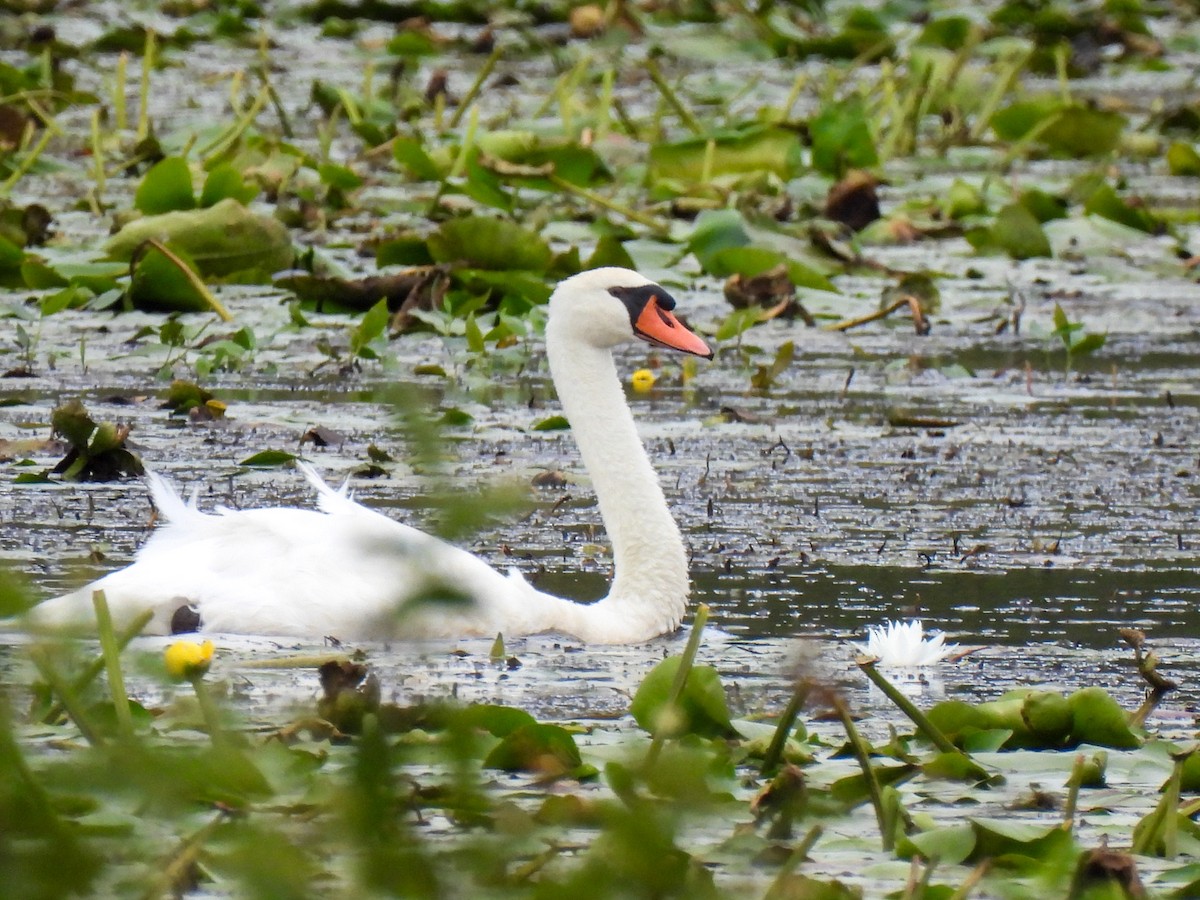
(545, 749)
(473, 335)
(841, 139)
(496, 720)
(1015, 232)
(552, 423)
(72, 422)
(15, 597)
(1105, 203)
(610, 251)
(714, 231)
(1100, 720)
(485, 242)
(225, 182)
(370, 327)
(223, 240)
(1182, 159)
(749, 151)
(166, 187)
(950, 845)
(702, 706)
(411, 156)
(1070, 129)
(1016, 843)
(268, 459)
(157, 283)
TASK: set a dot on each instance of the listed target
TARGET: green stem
(175, 875)
(476, 87)
(779, 740)
(927, 728)
(225, 140)
(66, 695)
(681, 675)
(96, 666)
(112, 661)
(208, 709)
(194, 279)
(863, 755)
(27, 163)
(143, 126)
(671, 97)
(592, 197)
(797, 856)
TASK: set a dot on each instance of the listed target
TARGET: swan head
(610, 306)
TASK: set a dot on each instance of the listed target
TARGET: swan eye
(636, 299)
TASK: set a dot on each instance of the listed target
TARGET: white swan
(348, 571)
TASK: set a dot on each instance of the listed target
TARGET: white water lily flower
(904, 644)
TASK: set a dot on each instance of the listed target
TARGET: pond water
(970, 477)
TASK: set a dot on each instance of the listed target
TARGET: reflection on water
(1080, 607)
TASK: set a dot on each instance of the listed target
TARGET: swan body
(346, 571)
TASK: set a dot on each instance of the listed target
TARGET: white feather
(347, 571)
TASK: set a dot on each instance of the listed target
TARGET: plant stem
(603, 202)
(143, 126)
(174, 875)
(681, 676)
(671, 97)
(96, 666)
(798, 855)
(927, 728)
(112, 661)
(476, 87)
(779, 740)
(194, 279)
(862, 754)
(208, 709)
(66, 695)
(27, 163)
(225, 140)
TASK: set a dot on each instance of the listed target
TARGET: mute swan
(347, 571)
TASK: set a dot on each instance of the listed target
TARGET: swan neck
(650, 579)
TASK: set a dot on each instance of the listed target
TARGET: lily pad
(702, 707)
(224, 240)
(484, 242)
(166, 187)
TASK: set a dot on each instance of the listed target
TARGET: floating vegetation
(949, 262)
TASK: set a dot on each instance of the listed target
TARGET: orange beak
(658, 326)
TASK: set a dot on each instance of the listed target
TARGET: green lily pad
(268, 459)
(1099, 719)
(751, 150)
(157, 283)
(166, 187)
(223, 240)
(702, 706)
(226, 183)
(535, 747)
(841, 139)
(484, 242)
(1016, 231)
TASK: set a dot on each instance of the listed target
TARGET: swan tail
(329, 500)
(167, 501)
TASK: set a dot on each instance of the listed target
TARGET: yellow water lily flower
(187, 660)
(642, 380)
